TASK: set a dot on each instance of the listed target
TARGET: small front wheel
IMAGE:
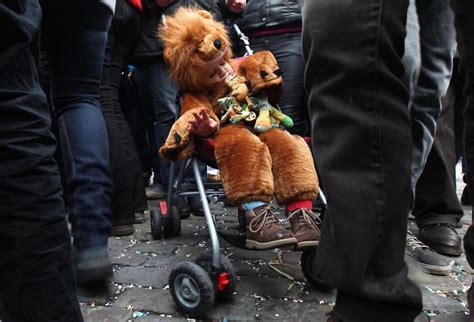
(172, 225)
(192, 289)
(204, 260)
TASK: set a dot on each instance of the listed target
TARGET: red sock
(292, 206)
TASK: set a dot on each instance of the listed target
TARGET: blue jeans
(36, 273)
(158, 96)
(76, 34)
(430, 46)
(361, 140)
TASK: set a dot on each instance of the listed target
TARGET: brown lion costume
(253, 167)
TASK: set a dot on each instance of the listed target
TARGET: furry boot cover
(245, 165)
(293, 167)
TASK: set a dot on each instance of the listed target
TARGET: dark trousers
(76, 34)
(158, 96)
(287, 50)
(436, 200)
(464, 11)
(125, 168)
(361, 133)
(36, 274)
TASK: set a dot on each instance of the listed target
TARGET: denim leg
(36, 274)
(287, 50)
(361, 134)
(163, 98)
(464, 11)
(437, 45)
(76, 45)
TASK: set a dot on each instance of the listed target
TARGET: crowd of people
(383, 89)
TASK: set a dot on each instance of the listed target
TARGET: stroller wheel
(308, 261)
(156, 222)
(172, 225)
(191, 288)
(204, 260)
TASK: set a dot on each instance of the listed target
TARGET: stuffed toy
(254, 166)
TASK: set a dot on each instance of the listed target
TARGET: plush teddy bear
(254, 167)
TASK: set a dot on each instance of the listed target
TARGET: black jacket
(261, 14)
(149, 47)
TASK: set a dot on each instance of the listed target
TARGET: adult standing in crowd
(128, 191)
(464, 11)
(76, 35)
(36, 271)
(275, 25)
(361, 129)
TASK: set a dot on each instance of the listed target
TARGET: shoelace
(266, 217)
(413, 243)
(307, 218)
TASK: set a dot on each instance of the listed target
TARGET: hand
(203, 125)
(163, 3)
(236, 6)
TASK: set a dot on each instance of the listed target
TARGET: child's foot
(264, 231)
(304, 225)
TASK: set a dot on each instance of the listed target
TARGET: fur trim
(293, 166)
(245, 165)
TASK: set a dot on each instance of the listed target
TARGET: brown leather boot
(264, 231)
(304, 225)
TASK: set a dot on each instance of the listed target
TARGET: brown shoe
(304, 225)
(121, 230)
(264, 231)
(140, 217)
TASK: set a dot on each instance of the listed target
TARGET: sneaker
(264, 231)
(122, 230)
(92, 266)
(304, 225)
(154, 192)
(431, 261)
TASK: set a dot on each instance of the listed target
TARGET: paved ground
(270, 283)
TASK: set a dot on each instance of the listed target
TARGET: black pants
(436, 200)
(361, 134)
(36, 273)
(287, 50)
(464, 11)
(128, 192)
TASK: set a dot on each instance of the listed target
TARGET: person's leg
(36, 273)
(287, 50)
(361, 135)
(124, 161)
(437, 209)
(464, 11)
(77, 34)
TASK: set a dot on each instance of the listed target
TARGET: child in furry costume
(254, 168)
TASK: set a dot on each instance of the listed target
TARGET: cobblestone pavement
(270, 283)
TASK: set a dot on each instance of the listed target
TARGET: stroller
(196, 285)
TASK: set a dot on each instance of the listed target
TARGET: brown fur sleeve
(180, 141)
